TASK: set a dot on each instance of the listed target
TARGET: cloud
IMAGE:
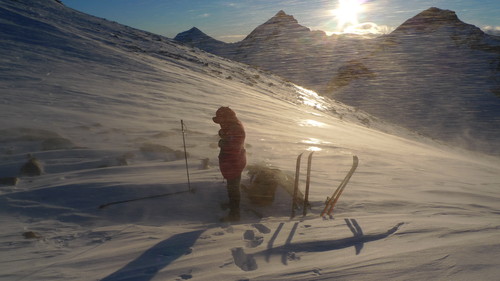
(493, 30)
(231, 38)
(367, 28)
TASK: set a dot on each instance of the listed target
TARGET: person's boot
(233, 216)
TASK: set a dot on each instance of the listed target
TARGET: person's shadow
(147, 265)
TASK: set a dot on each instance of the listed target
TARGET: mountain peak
(434, 14)
(193, 34)
(280, 13)
(282, 17)
(193, 31)
(280, 24)
(429, 20)
(196, 37)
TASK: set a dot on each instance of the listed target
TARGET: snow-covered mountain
(434, 74)
(433, 67)
(196, 37)
(96, 106)
(279, 28)
(285, 47)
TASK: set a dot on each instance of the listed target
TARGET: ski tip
(355, 159)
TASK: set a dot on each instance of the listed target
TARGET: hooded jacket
(232, 158)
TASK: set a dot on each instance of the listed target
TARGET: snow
(101, 116)
(414, 70)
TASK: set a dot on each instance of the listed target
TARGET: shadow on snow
(147, 265)
(357, 241)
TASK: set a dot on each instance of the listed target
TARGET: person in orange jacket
(232, 156)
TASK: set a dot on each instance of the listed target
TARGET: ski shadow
(357, 241)
(358, 233)
(284, 255)
(147, 265)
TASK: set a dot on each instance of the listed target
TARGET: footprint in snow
(262, 228)
(186, 276)
(252, 241)
(245, 262)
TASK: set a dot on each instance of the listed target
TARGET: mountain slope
(103, 118)
(196, 37)
(438, 76)
(293, 51)
(277, 27)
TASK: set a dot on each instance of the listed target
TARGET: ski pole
(185, 155)
(141, 198)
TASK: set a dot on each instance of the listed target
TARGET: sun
(347, 13)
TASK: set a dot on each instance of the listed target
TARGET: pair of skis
(295, 203)
(331, 201)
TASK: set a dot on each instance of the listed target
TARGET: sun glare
(347, 13)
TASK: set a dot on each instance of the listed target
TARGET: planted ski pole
(185, 155)
(296, 186)
(308, 180)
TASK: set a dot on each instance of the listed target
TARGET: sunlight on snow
(311, 98)
(314, 141)
(311, 123)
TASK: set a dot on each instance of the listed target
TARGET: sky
(231, 20)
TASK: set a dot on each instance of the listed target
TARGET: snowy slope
(285, 47)
(99, 105)
(439, 75)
